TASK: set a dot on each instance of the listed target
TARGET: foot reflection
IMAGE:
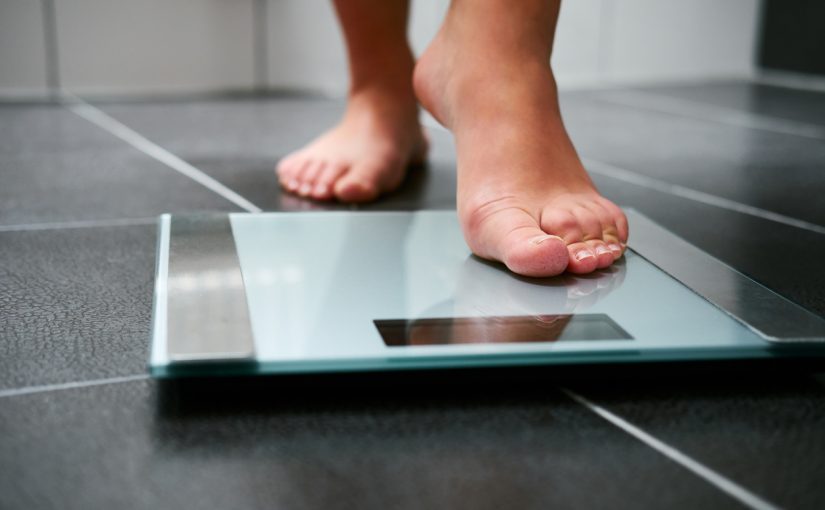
(492, 305)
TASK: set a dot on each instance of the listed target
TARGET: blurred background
(151, 47)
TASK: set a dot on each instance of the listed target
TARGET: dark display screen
(505, 329)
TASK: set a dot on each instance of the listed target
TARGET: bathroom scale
(317, 292)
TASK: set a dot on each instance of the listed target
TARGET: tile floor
(736, 168)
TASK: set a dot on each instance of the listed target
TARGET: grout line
(121, 222)
(597, 167)
(51, 49)
(630, 177)
(143, 144)
(260, 44)
(722, 483)
(16, 392)
(605, 34)
(706, 112)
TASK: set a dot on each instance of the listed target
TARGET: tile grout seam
(721, 482)
(51, 47)
(30, 390)
(714, 478)
(708, 113)
(136, 140)
(66, 225)
(641, 180)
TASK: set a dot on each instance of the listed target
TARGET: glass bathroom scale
(323, 292)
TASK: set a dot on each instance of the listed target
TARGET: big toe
(513, 237)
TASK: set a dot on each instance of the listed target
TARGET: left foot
(365, 155)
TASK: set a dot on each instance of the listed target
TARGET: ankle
(381, 101)
(451, 77)
(389, 71)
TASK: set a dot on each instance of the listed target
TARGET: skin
(368, 152)
(524, 197)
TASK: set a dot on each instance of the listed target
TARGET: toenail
(305, 189)
(541, 239)
(615, 247)
(321, 189)
(584, 254)
(293, 184)
(601, 250)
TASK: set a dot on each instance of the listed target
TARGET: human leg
(524, 197)
(369, 151)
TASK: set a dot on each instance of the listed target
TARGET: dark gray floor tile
(764, 431)
(57, 166)
(48, 128)
(788, 260)
(239, 141)
(75, 304)
(139, 446)
(96, 185)
(776, 172)
(254, 127)
(778, 102)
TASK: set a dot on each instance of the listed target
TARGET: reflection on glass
(484, 288)
(492, 305)
(514, 329)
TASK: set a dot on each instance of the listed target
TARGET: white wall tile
(655, 39)
(425, 20)
(306, 48)
(155, 46)
(149, 46)
(577, 44)
(22, 54)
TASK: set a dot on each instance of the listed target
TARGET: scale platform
(355, 291)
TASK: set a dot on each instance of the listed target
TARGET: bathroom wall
(123, 47)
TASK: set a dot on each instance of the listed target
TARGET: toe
(286, 170)
(582, 259)
(618, 220)
(562, 223)
(325, 182)
(513, 236)
(613, 224)
(308, 176)
(591, 225)
(294, 178)
(616, 249)
(604, 256)
(286, 165)
(582, 230)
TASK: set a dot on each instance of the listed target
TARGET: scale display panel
(349, 291)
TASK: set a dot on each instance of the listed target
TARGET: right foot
(524, 197)
(365, 155)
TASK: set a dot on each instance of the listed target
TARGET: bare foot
(524, 197)
(365, 155)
